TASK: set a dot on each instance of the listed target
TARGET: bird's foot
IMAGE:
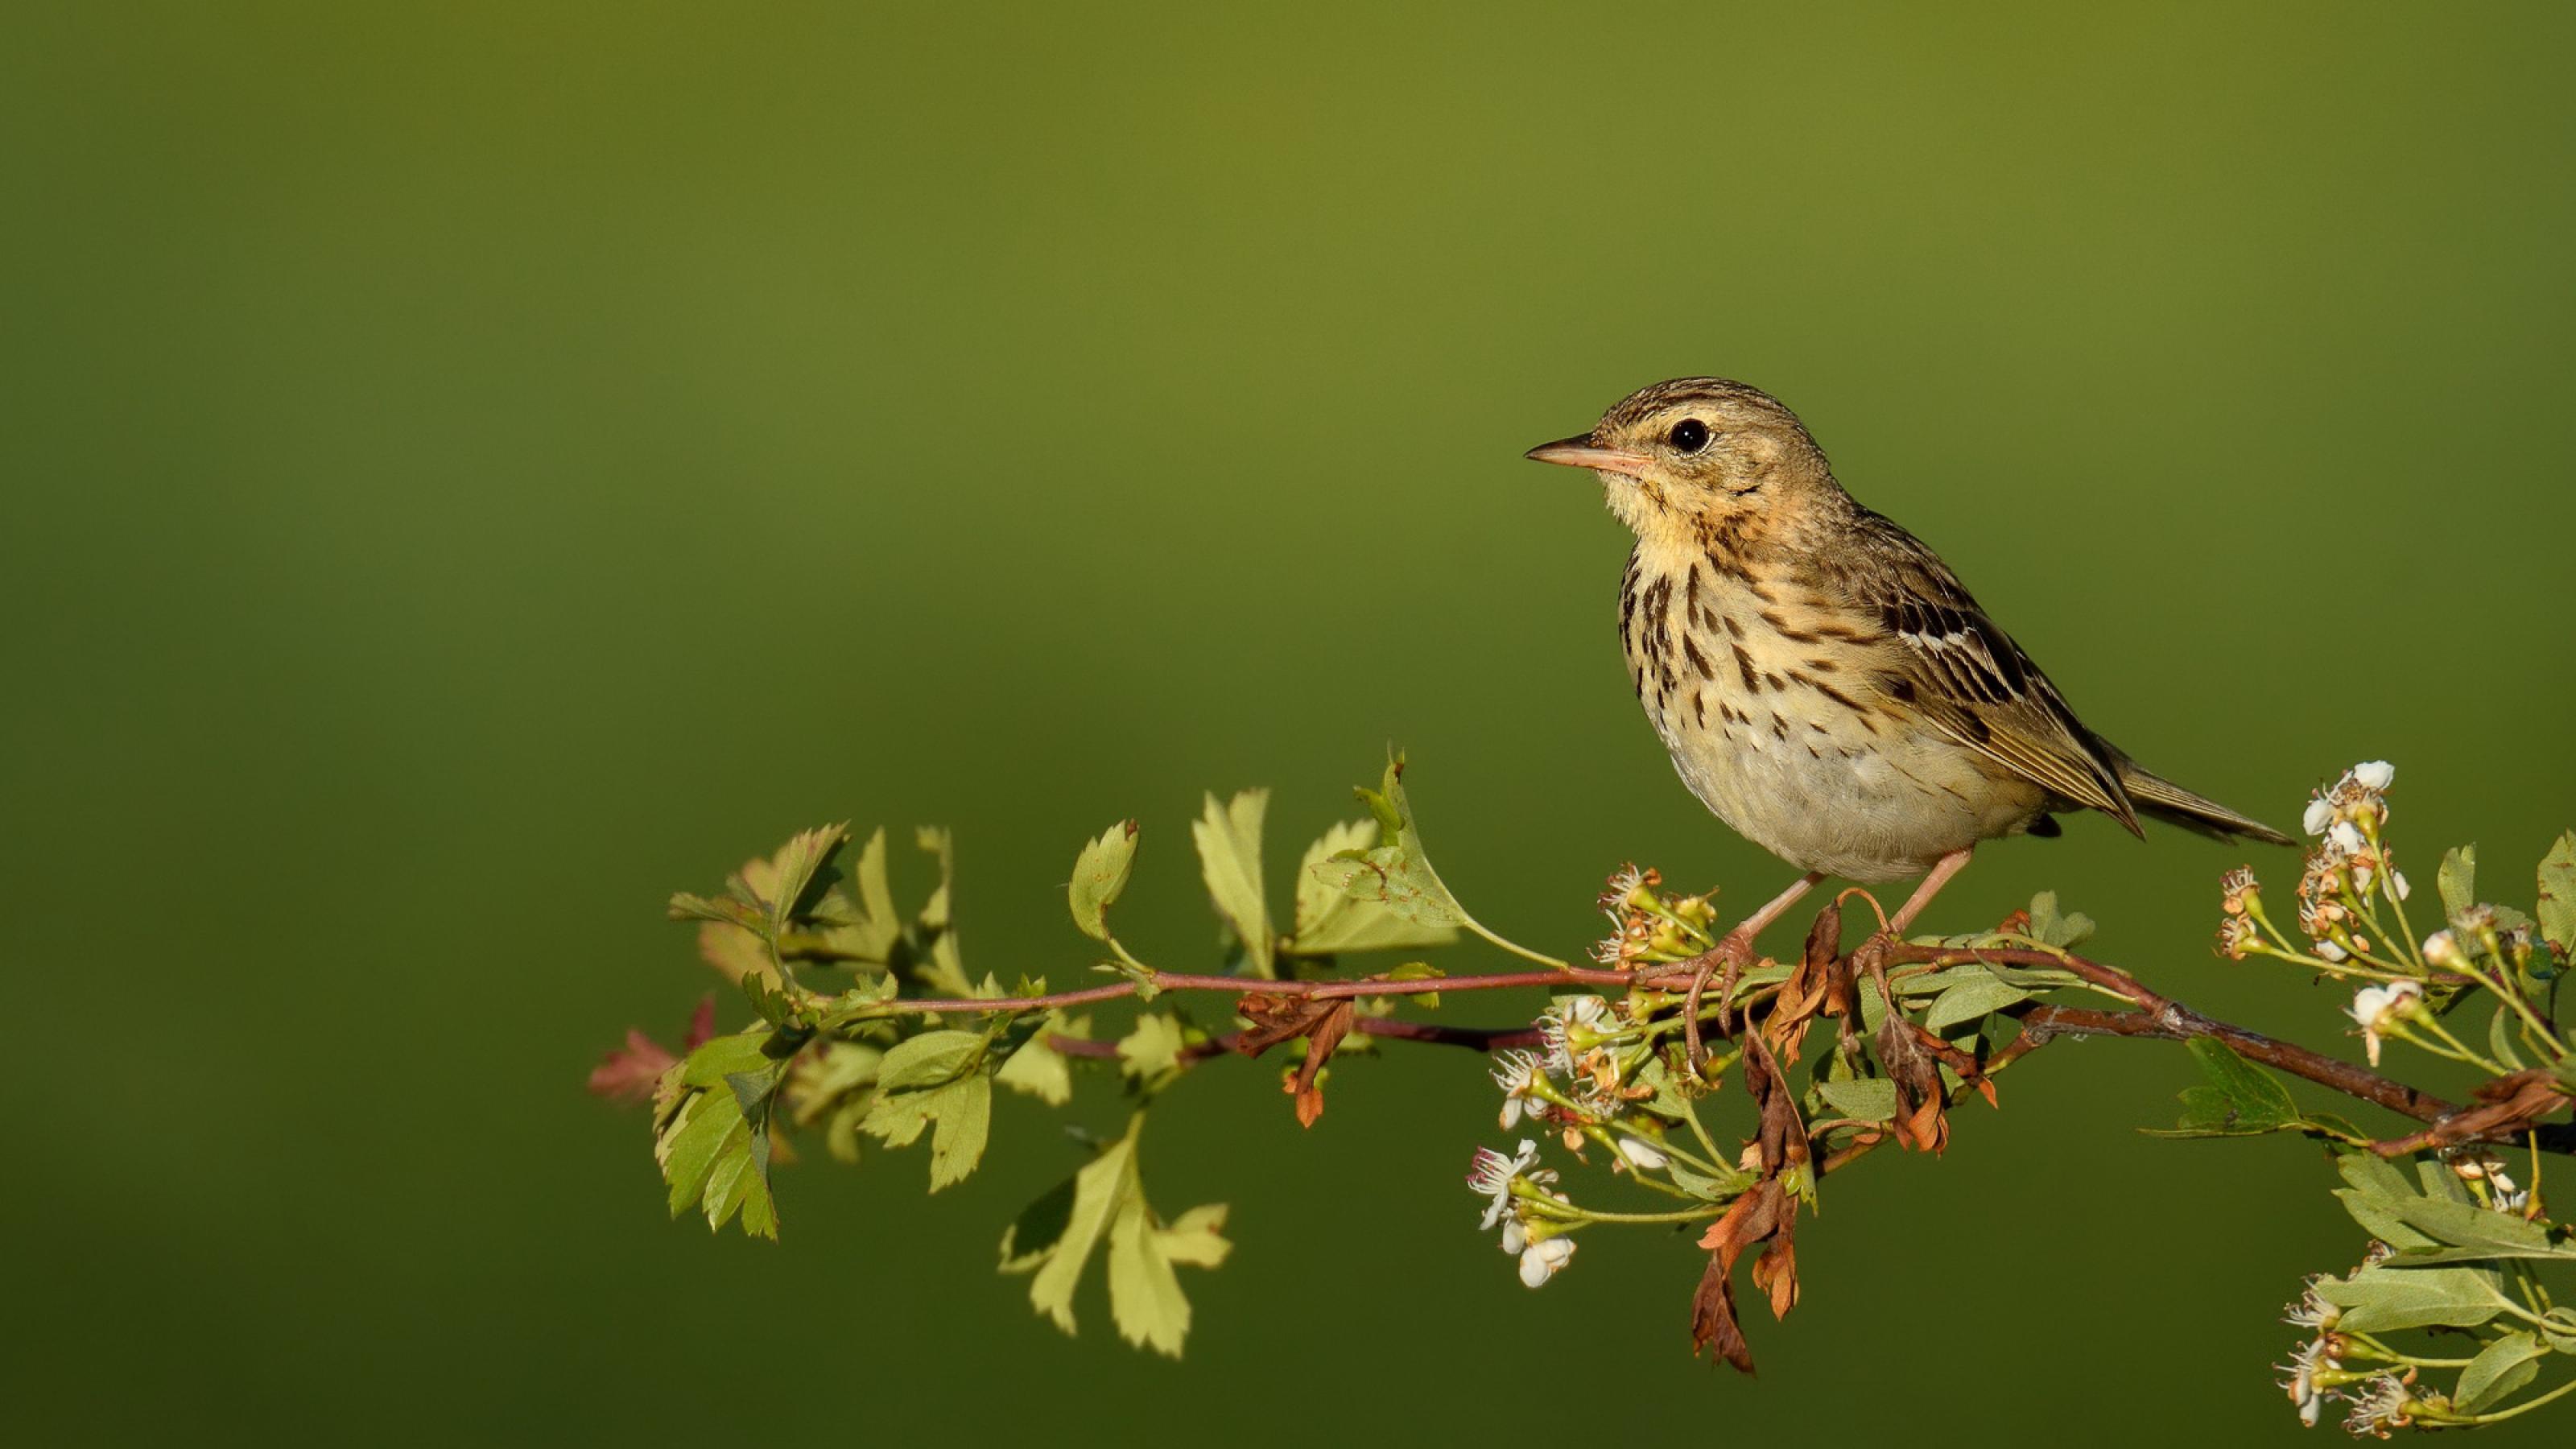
(1725, 961)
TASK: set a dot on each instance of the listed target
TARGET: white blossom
(1517, 1073)
(1492, 1174)
(1642, 1155)
(2375, 774)
(2320, 814)
(2443, 949)
(2380, 1408)
(2378, 1008)
(1540, 1260)
(2312, 1311)
(2305, 1362)
(2345, 839)
(1589, 1014)
(2329, 951)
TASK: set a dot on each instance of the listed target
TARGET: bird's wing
(1944, 658)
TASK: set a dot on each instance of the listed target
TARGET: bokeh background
(474, 469)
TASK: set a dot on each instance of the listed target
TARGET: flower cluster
(1510, 1185)
(2345, 884)
(2335, 886)
(1650, 928)
(2484, 1172)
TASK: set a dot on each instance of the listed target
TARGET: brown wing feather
(1966, 676)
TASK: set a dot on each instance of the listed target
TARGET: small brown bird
(1822, 680)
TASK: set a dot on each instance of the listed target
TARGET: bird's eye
(1689, 435)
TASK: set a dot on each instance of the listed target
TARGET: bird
(1822, 680)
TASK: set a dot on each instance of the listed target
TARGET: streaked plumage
(1823, 681)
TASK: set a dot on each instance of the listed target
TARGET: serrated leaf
(965, 1121)
(1145, 1298)
(958, 1114)
(2374, 1176)
(2557, 910)
(721, 910)
(1037, 1068)
(1196, 1237)
(1229, 843)
(1864, 1099)
(940, 845)
(1152, 1046)
(712, 1141)
(2254, 1096)
(1331, 922)
(928, 1060)
(942, 969)
(792, 869)
(2378, 1299)
(2500, 1370)
(1099, 874)
(1396, 874)
(863, 927)
(1100, 1189)
(1056, 1236)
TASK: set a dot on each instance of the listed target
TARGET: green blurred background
(474, 469)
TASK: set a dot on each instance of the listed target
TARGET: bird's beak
(1582, 452)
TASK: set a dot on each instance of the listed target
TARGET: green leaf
(1396, 874)
(929, 1059)
(2558, 896)
(2459, 881)
(1056, 1236)
(2471, 1233)
(2500, 1038)
(1229, 842)
(2256, 1096)
(1864, 1099)
(712, 1141)
(2500, 1370)
(2049, 928)
(1099, 874)
(1099, 1190)
(1037, 1068)
(1706, 1188)
(1145, 1298)
(2378, 1299)
(1971, 999)
(942, 969)
(1195, 1239)
(1331, 922)
(2241, 1099)
(959, 1112)
(861, 929)
(723, 910)
(1152, 1047)
(792, 869)
(937, 842)
(965, 1121)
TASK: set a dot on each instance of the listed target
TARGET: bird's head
(1697, 454)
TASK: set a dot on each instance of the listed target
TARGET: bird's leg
(1734, 951)
(1737, 946)
(1939, 876)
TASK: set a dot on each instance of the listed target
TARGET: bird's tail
(2162, 798)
